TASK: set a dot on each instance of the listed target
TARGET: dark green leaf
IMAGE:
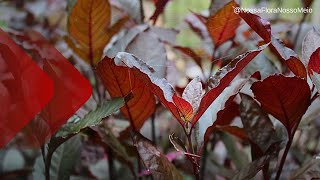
(92, 118)
(62, 162)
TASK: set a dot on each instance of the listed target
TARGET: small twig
(141, 11)
(153, 128)
(111, 164)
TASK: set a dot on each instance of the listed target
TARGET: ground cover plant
(179, 91)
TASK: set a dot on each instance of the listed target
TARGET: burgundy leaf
(260, 26)
(263, 29)
(160, 5)
(286, 98)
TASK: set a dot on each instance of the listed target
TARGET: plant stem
(286, 151)
(283, 159)
(153, 128)
(203, 162)
(111, 164)
(192, 159)
(47, 165)
(141, 11)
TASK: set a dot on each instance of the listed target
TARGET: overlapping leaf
(92, 118)
(263, 29)
(121, 81)
(222, 25)
(286, 98)
(154, 160)
(164, 91)
(223, 78)
(314, 68)
(89, 26)
(256, 122)
(311, 43)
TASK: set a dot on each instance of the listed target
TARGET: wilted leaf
(256, 122)
(286, 98)
(314, 68)
(89, 26)
(154, 160)
(222, 25)
(310, 43)
(263, 29)
(93, 118)
(63, 160)
(121, 81)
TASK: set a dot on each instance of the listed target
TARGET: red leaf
(314, 68)
(120, 81)
(223, 78)
(164, 91)
(223, 24)
(260, 26)
(160, 87)
(314, 63)
(184, 108)
(286, 98)
(224, 117)
(160, 5)
(290, 58)
(263, 29)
